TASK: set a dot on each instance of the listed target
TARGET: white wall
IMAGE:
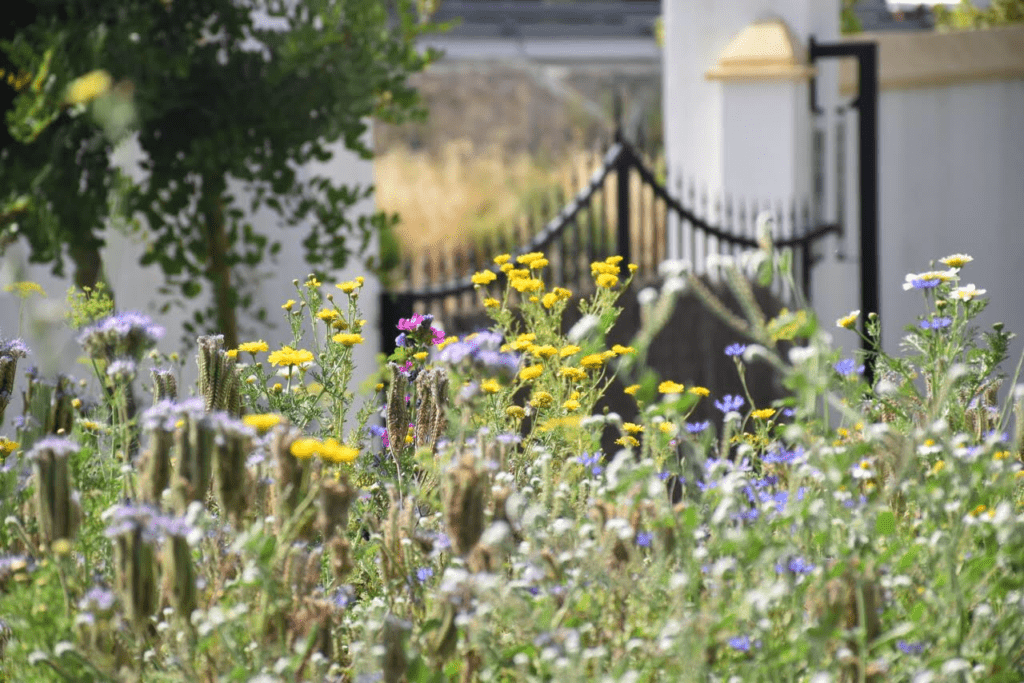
(951, 179)
(135, 288)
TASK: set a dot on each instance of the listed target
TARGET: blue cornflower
(910, 648)
(697, 427)
(730, 403)
(936, 324)
(797, 565)
(591, 461)
(741, 643)
(782, 456)
(664, 474)
(847, 367)
(643, 539)
(735, 349)
(424, 573)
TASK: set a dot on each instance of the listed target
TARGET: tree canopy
(215, 89)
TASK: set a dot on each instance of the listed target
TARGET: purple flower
(591, 461)
(423, 574)
(13, 348)
(643, 539)
(910, 648)
(921, 283)
(730, 403)
(797, 565)
(936, 324)
(741, 643)
(128, 335)
(847, 367)
(664, 474)
(697, 427)
(735, 349)
(400, 340)
(410, 324)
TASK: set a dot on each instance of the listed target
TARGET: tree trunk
(218, 271)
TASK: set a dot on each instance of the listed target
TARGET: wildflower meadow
(461, 522)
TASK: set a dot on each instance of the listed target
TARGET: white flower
(968, 292)
(647, 296)
(674, 267)
(956, 261)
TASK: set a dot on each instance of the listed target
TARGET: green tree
(213, 94)
(967, 15)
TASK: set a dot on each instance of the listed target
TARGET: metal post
(393, 307)
(866, 54)
(622, 167)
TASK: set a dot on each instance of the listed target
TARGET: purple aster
(910, 648)
(591, 461)
(741, 643)
(697, 427)
(729, 403)
(735, 349)
(783, 456)
(400, 340)
(797, 565)
(936, 324)
(13, 348)
(847, 367)
(423, 574)
(643, 539)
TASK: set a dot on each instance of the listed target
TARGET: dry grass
(451, 198)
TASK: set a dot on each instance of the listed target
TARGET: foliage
(967, 15)
(847, 532)
(215, 97)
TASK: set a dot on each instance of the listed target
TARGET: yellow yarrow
(627, 441)
(254, 347)
(491, 303)
(531, 372)
(527, 284)
(545, 351)
(607, 281)
(670, 387)
(484, 277)
(567, 351)
(529, 259)
(7, 446)
(621, 350)
(571, 404)
(598, 268)
(501, 259)
(700, 391)
(25, 289)
(515, 412)
(763, 413)
(614, 260)
(593, 361)
(542, 399)
(289, 356)
(632, 428)
(631, 389)
(507, 268)
(574, 374)
(348, 338)
(667, 428)
(491, 386)
(518, 273)
(262, 422)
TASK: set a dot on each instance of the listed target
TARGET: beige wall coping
(919, 59)
(764, 50)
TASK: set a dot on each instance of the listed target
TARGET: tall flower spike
(155, 465)
(397, 411)
(10, 351)
(61, 417)
(194, 445)
(165, 386)
(179, 575)
(231, 449)
(218, 377)
(465, 503)
(135, 573)
(57, 503)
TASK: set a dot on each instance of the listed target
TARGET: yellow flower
(849, 321)
(967, 292)
(633, 428)
(93, 426)
(491, 303)
(517, 273)
(621, 350)
(87, 88)
(501, 259)
(311, 283)
(574, 374)
(633, 267)
(305, 447)
(350, 286)
(667, 428)
(515, 412)
(607, 281)
(627, 441)
(542, 399)
(422, 355)
(7, 446)
(446, 342)
(527, 284)
(571, 404)
(289, 356)
(531, 372)
(956, 260)
(25, 289)
(332, 451)
(348, 338)
(528, 259)
(567, 351)
(484, 277)
(76, 403)
(379, 386)
(670, 387)
(763, 413)
(598, 268)
(700, 391)
(339, 324)
(231, 353)
(253, 347)
(327, 314)
(545, 351)
(631, 389)
(507, 268)
(549, 300)
(491, 386)
(287, 305)
(593, 361)
(538, 264)
(262, 422)
(613, 260)
(978, 510)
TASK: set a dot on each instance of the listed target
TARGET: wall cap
(764, 50)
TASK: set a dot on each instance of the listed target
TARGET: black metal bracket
(866, 54)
